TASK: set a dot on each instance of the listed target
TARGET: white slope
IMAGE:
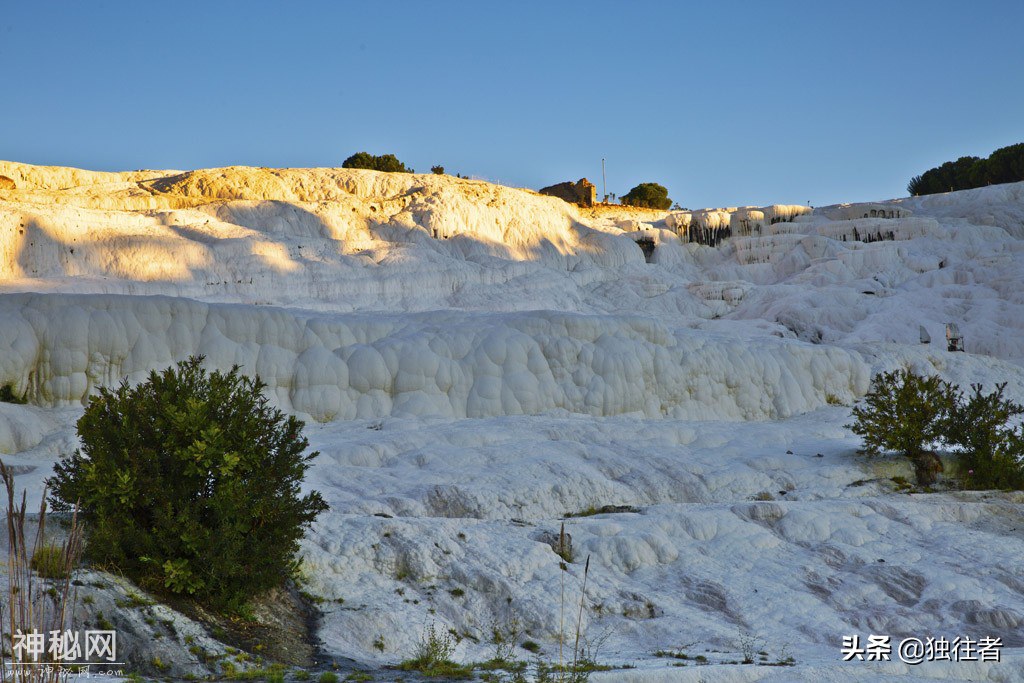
(476, 361)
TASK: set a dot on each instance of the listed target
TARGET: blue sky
(724, 103)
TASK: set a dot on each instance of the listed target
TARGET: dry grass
(36, 604)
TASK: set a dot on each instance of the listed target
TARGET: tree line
(1005, 165)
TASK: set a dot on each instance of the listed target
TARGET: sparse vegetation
(33, 605)
(437, 170)
(189, 483)
(433, 656)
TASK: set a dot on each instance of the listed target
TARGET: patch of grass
(328, 677)
(378, 644)
(603, 510)
(50, 563)
(359, 677)
(133, 600)
(103, 623)
(901, 483)
(457, 592)
(273, 673)
(530, 646)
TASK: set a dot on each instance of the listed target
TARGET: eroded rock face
(7, 183)
(582, 192)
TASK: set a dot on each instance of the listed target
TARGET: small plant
(328, 677)
(750, 645)
(457, 592)
(901, 483)
(564, 548)
(530, 646)
(433, 656)
(378, 643)
(437, 170)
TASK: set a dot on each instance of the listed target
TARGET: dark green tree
(649, 195)
(385, 162)
(1005, 165)
(189, 483)
(437, 170)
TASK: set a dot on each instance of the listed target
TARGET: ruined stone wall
(582, 192)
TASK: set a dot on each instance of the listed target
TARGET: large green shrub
(650, 195)
(190, 483)
(991, 452)
(906, 412)
(384, 162)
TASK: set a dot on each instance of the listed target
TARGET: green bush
(991, 454)
(385, 162)
(905, 411)
(437, 170)
(902, 412)
(650, 195)
(190, 483)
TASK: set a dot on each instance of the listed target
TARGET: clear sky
(724, 103)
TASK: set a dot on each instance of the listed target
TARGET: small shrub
(902, 412)
(328, 677)
(190, 483)
(530, 646)
(433, 656)
(437, 170)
